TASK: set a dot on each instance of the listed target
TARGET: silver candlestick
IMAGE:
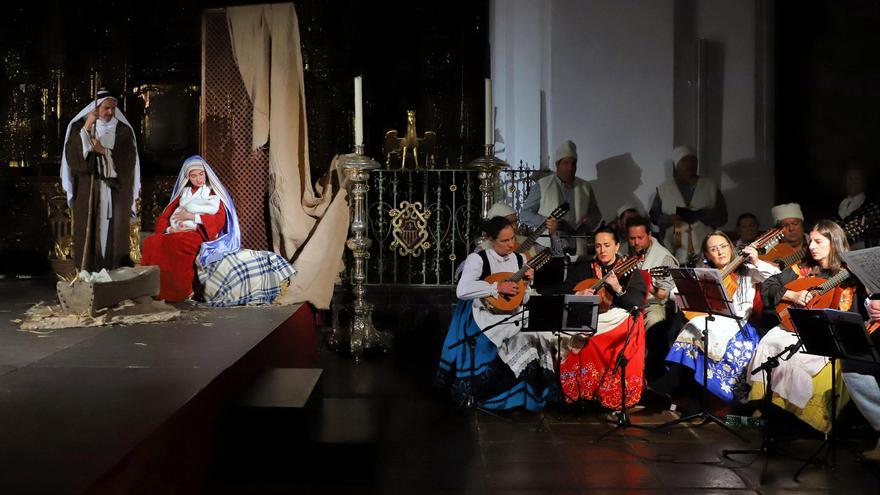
(488, 166)
(362, 334)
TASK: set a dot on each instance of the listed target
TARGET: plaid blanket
(245, 277)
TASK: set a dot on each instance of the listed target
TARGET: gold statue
(134, 235)
(396, 145)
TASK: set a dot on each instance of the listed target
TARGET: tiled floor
(379, 427)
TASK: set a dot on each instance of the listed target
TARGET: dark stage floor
(379, 427)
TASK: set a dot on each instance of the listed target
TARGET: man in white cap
(791, 219)
(563, 187)
(504, 210)
(624, 213)
(687, 207)
(100, 172)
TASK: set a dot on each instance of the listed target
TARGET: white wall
(606, 67)
(747, 184)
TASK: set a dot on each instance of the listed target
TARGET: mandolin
(765, 242)
(826, 294)
(622, 269)
(508, 304)
(530, 241)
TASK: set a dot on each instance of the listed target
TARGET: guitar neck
(832, 282)
(733, 265)
(794, 257)
(531, 239)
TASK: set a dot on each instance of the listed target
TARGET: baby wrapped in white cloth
(200, 202)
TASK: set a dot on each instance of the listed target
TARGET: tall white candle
(490, 110)
(358, 112)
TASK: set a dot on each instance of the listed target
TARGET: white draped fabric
(308, 225)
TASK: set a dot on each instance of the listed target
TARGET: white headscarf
(101, 127)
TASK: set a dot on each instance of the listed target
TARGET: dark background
(431, 58)
(827, 99)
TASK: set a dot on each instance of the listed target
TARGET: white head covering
(565, 150)
(500, 210)
(67, 176)
(681, 152)
(788, 210)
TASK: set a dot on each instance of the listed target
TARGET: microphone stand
(768, 436)
(621, 362)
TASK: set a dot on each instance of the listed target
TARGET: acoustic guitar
(530, 241)
(765, 242)
(826, 294)
(508, 304)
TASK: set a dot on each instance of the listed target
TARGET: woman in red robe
(180, 232)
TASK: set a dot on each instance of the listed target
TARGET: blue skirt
(726, 378)
(469, 363)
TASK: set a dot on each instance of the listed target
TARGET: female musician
(731, 343)
(801, 383)
(586, 372)
(484, 355)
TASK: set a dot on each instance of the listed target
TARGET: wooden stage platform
(117, 409)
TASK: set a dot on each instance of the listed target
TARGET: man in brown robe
(100, 154)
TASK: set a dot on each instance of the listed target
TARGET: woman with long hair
(801, 383)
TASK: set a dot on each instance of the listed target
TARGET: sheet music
(701, 290)
(865, 265)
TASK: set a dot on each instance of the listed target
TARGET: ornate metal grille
(424, 223)
(225, 128)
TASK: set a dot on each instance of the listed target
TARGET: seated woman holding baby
(199, 221)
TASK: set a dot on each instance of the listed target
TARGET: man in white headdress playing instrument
(100, 172)
(563, 187)
(687, 207)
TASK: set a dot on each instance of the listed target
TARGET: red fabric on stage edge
(587, 374)
(176, 253)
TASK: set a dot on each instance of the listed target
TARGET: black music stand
(563, 314)
(836, 335)
(551, 276)
(621, 361)
(701, 290)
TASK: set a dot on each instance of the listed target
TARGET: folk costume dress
(730, 347)
(802, 383)
(502, 367)
(586, 368)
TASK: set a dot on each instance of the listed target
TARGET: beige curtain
(308, 224)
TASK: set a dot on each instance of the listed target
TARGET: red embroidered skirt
(587, 374)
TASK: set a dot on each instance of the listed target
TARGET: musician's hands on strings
(530, 274)
(585, 292)
(801, 297)
(552, 225)
(613, 283)
(750, 254)
(508, 288)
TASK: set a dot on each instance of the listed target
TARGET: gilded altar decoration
(401, 148)
(409, 229)
(134, 235)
